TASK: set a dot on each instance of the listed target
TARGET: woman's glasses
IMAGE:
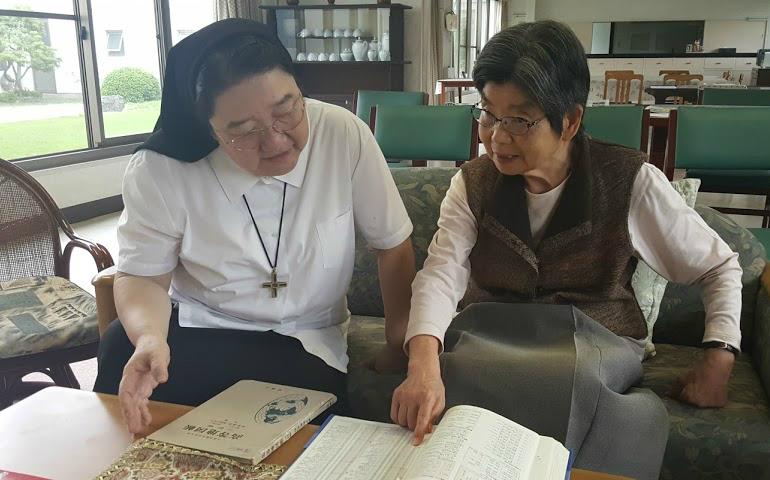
(512, 125)
(284, 123)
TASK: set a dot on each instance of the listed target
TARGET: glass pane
(127, 59)
(47, 6)
(331, 35)
(188, 16)
(41, 103)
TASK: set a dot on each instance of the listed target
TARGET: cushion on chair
(40, 314)
(707, 443)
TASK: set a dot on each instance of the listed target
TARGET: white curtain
(240, 9)
(432, 51)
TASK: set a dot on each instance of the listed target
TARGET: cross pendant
(274, 285)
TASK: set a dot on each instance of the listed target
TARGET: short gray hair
(545, 59)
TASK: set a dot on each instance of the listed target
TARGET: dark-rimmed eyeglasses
(512, 125)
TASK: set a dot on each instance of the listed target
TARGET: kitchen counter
(673, 55)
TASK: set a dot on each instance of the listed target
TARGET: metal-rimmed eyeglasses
(512, 125)
(284, 123)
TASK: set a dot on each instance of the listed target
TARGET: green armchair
(728, 443)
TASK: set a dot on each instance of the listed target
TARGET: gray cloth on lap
(557, 372)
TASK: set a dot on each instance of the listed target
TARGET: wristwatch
(722, 345)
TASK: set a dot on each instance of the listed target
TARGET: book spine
(290, 432)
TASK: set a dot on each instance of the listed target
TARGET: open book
(469, 443)
(246, 422)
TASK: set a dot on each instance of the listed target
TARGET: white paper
(472, 443)
(350, 449)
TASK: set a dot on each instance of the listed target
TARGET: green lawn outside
(40, 137)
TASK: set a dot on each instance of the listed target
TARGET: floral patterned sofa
(728, 443)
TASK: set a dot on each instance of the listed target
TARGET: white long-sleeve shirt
(665, 233)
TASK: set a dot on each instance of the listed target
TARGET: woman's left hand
(705, 386)
(388, 361)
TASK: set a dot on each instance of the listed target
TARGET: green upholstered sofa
(728, 443)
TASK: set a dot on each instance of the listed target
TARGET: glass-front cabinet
(338, 49)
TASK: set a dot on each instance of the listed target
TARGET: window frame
(476, 19)
(121, 50)
(99, 146)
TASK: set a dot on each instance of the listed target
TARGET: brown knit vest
(585, 257)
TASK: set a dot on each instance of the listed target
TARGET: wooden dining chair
(673, 72)
(610, 73)
(681, 79)
(47, 321)
(623, 80)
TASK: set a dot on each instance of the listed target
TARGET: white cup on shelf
(312, 57)
(301, 57)
(322, 57)
(334, 57)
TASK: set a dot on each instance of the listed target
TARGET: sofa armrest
(761, 340)
(105, 302)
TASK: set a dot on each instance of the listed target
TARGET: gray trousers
(556, 371)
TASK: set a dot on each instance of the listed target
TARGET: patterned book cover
(161, 461)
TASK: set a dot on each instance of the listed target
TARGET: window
(479, 20)
(188, 16)
(115, 42)
(69, 85)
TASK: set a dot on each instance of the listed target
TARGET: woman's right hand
(420, 399)
(145, 370)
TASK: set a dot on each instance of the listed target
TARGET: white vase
(384, 55)
(346, 55)
(359, 50)
(372, 55)
(385, 41)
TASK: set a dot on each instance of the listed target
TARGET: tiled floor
(103, 230)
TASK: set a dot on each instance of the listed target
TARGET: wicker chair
(46, 321)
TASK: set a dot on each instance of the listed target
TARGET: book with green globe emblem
(246, 422)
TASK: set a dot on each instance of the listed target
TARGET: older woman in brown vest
(537, 243)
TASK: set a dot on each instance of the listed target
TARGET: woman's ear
(571, 123)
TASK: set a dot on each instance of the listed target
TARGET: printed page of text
(475, 444)
(351, 449)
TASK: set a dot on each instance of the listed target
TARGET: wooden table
(689, 93)
(64, 434)
(458, 83)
